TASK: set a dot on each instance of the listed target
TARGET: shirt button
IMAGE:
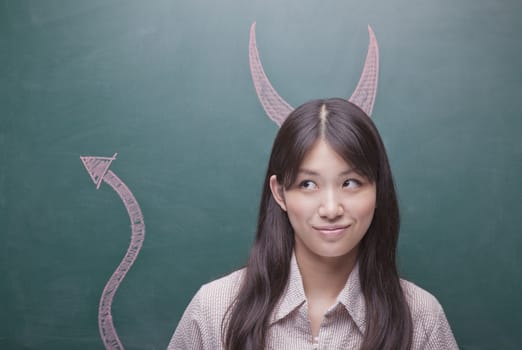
(315, 343)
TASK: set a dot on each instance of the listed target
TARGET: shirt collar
(350, 297)
(293, 296)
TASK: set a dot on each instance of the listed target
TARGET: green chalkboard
(166, 85)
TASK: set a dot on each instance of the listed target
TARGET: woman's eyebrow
(309, 172)
(348, 172)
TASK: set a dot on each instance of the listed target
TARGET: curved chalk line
(98, 169)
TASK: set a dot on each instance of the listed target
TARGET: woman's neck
(324, 277)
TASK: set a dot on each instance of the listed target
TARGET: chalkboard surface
(166, 85)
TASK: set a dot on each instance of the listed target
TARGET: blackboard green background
(166, 84)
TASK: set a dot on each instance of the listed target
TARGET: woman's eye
(352, 183)
(307, 184)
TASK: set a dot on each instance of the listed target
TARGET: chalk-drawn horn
(366, 90)
(278, 109)
(274, 105)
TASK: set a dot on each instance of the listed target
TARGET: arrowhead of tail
(97, 167)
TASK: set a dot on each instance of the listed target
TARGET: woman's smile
(331, 231)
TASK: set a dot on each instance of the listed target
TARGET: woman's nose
(330, 206)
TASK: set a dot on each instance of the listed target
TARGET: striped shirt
(342, 327)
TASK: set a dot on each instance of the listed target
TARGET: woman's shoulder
(422, 303)
(214, 298)
(431, 329)
(200, 325)
(224, 289)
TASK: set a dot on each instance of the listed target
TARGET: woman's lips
(331, 231)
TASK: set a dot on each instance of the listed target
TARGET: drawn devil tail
(98, 169)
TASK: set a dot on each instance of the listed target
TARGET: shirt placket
(315, 343)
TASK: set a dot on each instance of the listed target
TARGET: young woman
(322, 271)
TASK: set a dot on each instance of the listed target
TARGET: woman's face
(330, 206)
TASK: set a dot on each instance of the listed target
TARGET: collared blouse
(342, 327)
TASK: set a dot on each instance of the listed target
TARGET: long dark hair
(352, 134)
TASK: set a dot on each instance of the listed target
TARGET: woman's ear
(277, 192)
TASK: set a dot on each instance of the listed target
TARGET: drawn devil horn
(278, 109)
(274, 105)
(366, 90)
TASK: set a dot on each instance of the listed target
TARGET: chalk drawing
(278, 109)
(98, 169)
